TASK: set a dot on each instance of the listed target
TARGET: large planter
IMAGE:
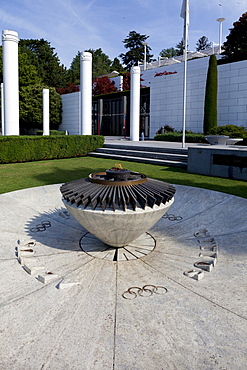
(217, 139)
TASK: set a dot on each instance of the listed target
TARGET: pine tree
(134, 42)
(202, 43)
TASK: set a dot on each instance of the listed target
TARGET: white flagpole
(185, 14)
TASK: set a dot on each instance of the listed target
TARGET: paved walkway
(149, 143)
(63, 308)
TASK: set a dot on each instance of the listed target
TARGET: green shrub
(34, 148)
(210, 104)
(52, 132)
(229, 130)
(177, 137)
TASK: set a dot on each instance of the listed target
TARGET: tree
(43, 57)
(31, 86)
(28, 74)
(180, 47)
(31, 108)
(169, 53)
(126, 81)
(134, 42)
(103, 85)
(101, 62)
(235, 46)
(101, 65)
(202, 43)
(117, 66)
(74, 71)
(210, 105)
(70, 88)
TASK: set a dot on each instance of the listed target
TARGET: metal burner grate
(100, 190)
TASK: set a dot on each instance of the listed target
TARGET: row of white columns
(10, 92)
(86, 97)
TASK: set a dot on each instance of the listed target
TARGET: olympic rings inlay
(172, 217)
(41, 227)
(145, 291)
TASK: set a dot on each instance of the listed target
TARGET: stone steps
(144, 154)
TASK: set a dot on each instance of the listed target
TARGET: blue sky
(76, 25)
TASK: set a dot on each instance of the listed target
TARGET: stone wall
(166, 95)
(71, 114)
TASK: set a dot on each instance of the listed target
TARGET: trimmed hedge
(177, 137)
(52, 132)
(35, 148)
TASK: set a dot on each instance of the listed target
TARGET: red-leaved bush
(103, 85)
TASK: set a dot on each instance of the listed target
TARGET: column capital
(135, 69)
(9, 35)
(86, 56)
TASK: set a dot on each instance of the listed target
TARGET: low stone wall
(221, 162)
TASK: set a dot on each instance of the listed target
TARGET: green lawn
(17, 176)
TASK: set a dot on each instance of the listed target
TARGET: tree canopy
(202, 43)
(101, 62)
(31, 108)
(235, 46)
(169, 52)
(101, 65)
(134, 42)
(180, 47)
(41, 55)
(74, 71)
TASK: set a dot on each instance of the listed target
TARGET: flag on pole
(185, 11)
(185, 15)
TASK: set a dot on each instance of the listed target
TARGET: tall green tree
(180, 47)
(31, 108)
(117, 66)
(31, 84)
(235, 46)
(74, 70)
(101, 65)
(169, 53)
(101, 62)
(134, 42)
(43, 57)
(210, 104)
(202, 43)
(28, 74)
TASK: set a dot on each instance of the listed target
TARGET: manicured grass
(16, 176)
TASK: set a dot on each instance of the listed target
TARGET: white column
(134, 103)
(46, 112)
(86, 93)
(2, 109)
(11, 82)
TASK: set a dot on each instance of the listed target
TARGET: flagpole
(185, 15)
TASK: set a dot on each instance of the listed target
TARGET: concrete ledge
(230, 163)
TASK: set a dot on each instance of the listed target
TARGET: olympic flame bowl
(117, 210)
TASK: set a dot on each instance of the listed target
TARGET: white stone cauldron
(117, 209)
